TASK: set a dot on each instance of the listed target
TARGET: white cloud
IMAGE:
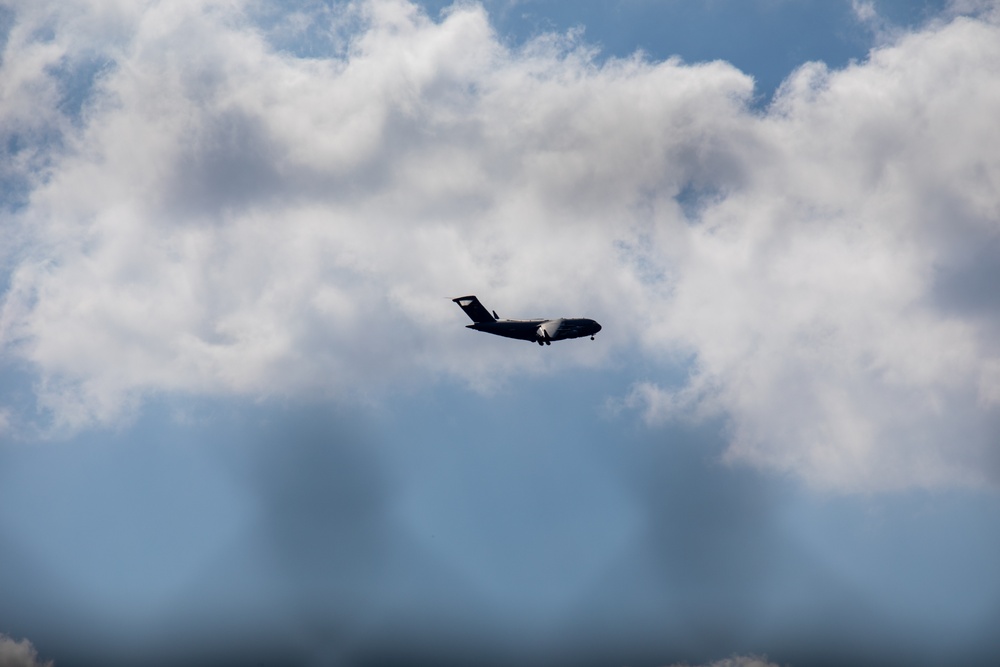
(817, 298)
(985, 8)
(19, 654)
(235, 219)
(228, 217)
(882, 30)
(864, 10)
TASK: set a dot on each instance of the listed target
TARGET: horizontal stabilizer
(475, 310)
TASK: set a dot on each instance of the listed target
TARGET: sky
(241, 422)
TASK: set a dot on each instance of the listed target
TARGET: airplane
(541, 331)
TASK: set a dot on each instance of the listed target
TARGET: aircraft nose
(597, 327)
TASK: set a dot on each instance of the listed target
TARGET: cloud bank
(207, 199)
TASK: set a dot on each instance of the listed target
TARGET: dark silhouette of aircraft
(542, 332)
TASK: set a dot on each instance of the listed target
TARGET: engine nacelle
(547, 331)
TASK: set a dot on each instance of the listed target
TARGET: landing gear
(591, 338)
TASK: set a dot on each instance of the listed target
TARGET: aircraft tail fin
(475, 310)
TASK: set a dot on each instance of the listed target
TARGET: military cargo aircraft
(542, 331)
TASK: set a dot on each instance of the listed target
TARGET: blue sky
(240, 423)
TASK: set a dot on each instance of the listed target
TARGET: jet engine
(547, 331)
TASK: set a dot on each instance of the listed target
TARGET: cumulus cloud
(19, 654)
(225, 214)
(835, 313)
(235, 219)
